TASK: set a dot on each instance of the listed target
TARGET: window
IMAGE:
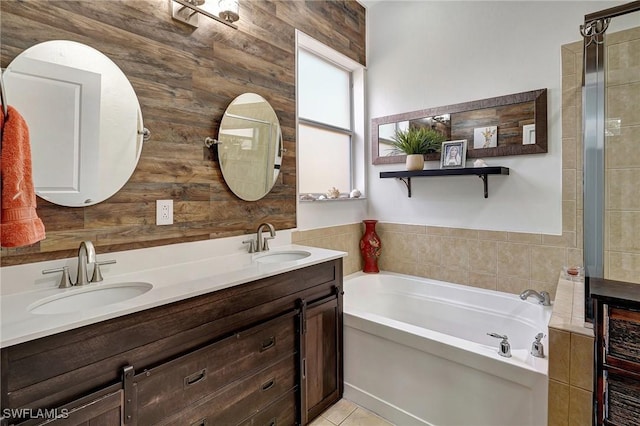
(330, 145)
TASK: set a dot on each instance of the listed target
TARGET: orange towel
(19, 223)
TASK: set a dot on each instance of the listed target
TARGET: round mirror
(84, 121)
(250, 146)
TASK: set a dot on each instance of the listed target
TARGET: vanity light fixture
(187, 11)
(229, 10)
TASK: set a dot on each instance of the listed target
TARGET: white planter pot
(415, 162)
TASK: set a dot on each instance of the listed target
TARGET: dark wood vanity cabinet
(322, 369)
(617, 356)
(262, 353)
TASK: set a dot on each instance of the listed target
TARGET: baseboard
(382, 408)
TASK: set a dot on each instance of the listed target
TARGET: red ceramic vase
(370, 247)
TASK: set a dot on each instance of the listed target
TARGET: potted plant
(434, 140)
(415, 142)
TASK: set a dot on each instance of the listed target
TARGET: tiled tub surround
(494, 260)
(571, 346)
(342, 238)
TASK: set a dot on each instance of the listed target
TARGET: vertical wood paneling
(184, 79)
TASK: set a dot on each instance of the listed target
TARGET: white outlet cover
(164, 212)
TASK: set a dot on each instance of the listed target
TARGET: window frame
(355, 132)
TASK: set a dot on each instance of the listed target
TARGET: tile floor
(346, 413)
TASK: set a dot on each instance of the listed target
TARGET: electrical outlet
(164, 212)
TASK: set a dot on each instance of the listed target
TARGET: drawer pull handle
(272, 422)
(201, 422)
(269, 384)
(195, 378)
(268, 343)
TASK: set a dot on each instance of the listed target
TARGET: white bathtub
(417, 352)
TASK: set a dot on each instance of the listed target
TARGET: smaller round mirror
(250, 146)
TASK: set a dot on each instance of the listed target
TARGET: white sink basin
(282, 256)
(91, 296)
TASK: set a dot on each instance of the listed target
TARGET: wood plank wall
(184, 79)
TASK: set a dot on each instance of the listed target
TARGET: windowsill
(331, 200)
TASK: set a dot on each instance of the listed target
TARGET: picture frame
(453, 154)
(485, 137)
(529, 134)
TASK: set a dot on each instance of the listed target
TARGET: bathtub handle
(498, 336)
(505, 348)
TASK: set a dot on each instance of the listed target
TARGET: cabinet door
(322, 362)
(622, 398)
(617, 365)
(93, 410)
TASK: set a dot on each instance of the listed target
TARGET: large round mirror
(250, 146)
(84, 121)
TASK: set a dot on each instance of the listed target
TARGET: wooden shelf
(481, 172)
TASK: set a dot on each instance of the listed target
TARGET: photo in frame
(453, 154)
(485, 137)
(529, 134)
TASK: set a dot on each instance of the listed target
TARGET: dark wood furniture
(265, 352)
(617, 356)
(482, 172)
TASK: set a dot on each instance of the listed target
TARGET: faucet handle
(546, 298)
(252, 245)
(537, 348)
(265, 246)
(65, 280)
(97, 274)
(505, 347)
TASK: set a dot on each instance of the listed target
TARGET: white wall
(432, 53)
(424, 54)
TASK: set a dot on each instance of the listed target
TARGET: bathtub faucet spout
(543, 297)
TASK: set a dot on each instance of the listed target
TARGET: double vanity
(249, 338)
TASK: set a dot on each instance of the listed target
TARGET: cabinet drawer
(242, 399)
(280, 413)
(622, 334)
(98, 409)
(622, 399)
(172, 386)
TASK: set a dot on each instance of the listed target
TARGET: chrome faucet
(543, 297)
(262, 243)
(86, 255)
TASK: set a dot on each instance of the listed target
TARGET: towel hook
(3, 96)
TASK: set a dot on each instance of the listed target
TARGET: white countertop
(170, 284)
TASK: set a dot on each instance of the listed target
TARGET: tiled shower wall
(622, 157)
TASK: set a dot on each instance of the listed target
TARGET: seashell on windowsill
(333, 193)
